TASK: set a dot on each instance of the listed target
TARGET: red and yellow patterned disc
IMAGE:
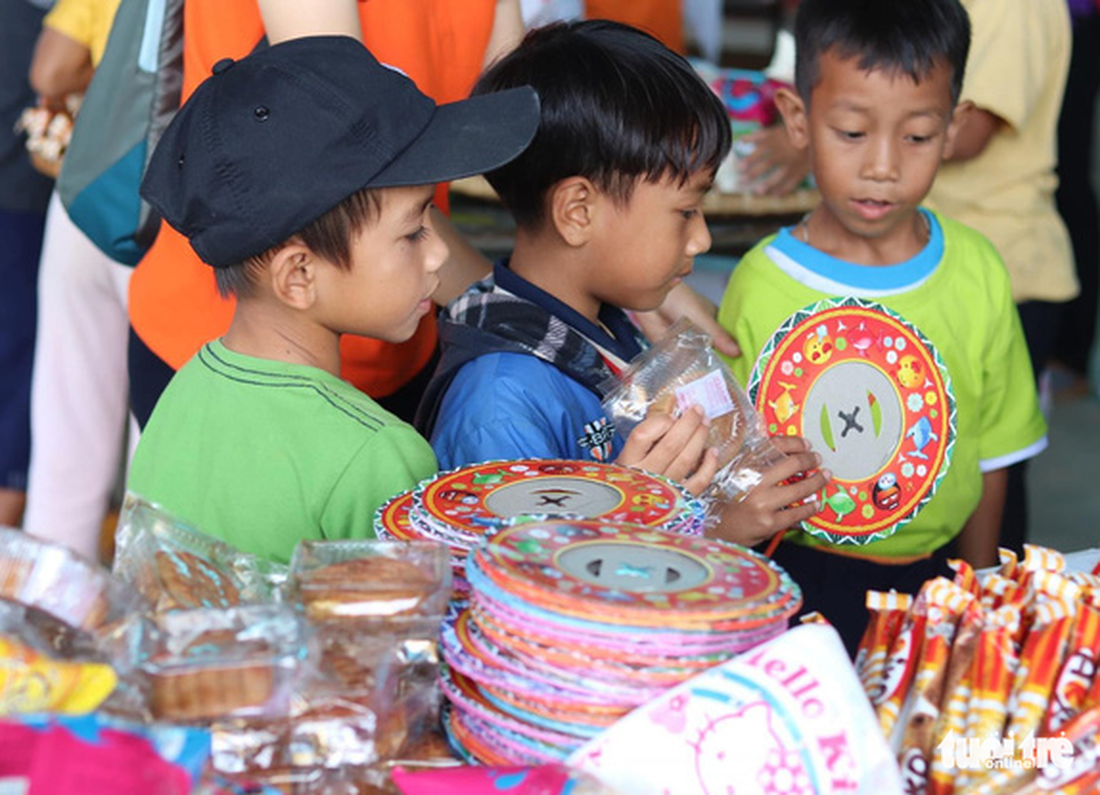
(872, 396)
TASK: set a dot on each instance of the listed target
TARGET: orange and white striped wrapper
(888, 610)
(956, 694)
(1078, 672)
(946, 603)
(991, 676)
(1038, 558)
(901, 667)
(1041, 659)
(965, 576)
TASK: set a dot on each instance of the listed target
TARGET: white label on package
(710, 392)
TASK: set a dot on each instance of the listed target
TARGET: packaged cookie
(66, 587)
(372, 583)
(177, 567)
(681, 371)
(215, 664)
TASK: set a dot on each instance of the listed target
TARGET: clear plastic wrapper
(680, 371)
(393, 585)
(216, 664)
(58, 582)
(176, 567)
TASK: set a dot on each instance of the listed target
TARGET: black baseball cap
(271, 142)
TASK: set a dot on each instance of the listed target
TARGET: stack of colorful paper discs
(573, 623)
(460, 507)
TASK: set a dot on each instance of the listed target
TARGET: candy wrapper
(1078, 671)
(946, 602)
(31, 681)
(177, 567)
(680, 371)
(787, 716)
(956, 695)
(900, 668)
(544, 780)
(94, 755)
(888, 611)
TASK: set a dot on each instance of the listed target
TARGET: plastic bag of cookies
(177, 567)
(680, 371)
(69, 598)
(213, 664)
(393, 585)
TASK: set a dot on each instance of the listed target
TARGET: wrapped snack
(956, 695)
(680, 371)
(1038, 558)
(176, 567)
(94, 755)
(217, 664)
(368, 582)
(992, 674)
(945, 604)
(377, 607)
(965, 576)
(56, 581)
(901, 667)
(998, 590)
(1078, 671)
(30, 681)
(888, 611)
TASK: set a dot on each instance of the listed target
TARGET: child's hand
(673, 447)
(774, 504)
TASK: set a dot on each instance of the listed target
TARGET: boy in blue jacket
(607, 203)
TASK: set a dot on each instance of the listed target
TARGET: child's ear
(958, 117)
(795, 118)
(292, 275)
(572, 209)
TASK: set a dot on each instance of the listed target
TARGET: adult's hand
(683, 301)
(775, 167)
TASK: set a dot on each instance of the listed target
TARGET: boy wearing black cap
(304, 175)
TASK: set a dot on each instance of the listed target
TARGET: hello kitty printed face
(741, 752)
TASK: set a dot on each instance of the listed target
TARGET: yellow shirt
(1019, 57)
(84, 21)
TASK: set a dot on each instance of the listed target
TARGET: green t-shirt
(263, 454)
(956, 292)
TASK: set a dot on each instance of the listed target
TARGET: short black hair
(909, 36)
(616, 106)
(328, 236)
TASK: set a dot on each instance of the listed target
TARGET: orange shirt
(440, 44)
(660, 18)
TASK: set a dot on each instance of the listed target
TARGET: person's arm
(683, 301)
(775, 166)
(292, 19)
(778, 502)
(507, 31)
(61, 65)
(978, 539)
(464, 264)
(976, 130)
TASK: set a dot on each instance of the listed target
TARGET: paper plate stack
(460, 507)
(573, 623)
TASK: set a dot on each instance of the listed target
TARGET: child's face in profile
(650, 242)
(876, 141)
(394, 264)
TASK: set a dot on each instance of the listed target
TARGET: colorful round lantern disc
(873, 397)
(475, 500)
